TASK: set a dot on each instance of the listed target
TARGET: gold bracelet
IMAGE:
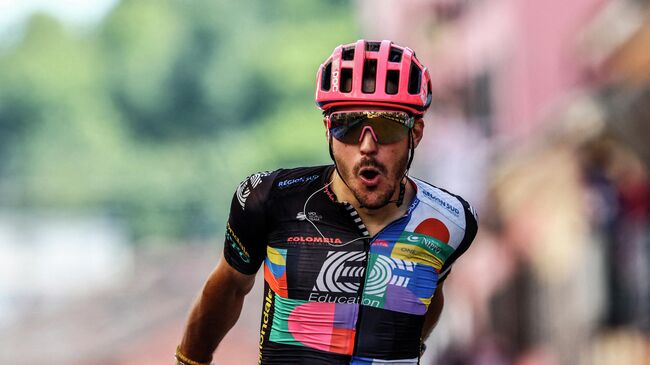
(185, 360)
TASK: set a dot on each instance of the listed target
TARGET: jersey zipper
(366, 249)
(367, 242)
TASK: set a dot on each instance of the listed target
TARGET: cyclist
(354, 254)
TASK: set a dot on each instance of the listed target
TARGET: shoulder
(449, 204)
(299, 178)
(448, 209)
(263, 186)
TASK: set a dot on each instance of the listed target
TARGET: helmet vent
(348, 54)
(326, 77)
(415, 79)
(346, 80)
(395, 55)
(369, 76)
(372, 46)
(392, 82)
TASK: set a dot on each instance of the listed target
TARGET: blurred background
(125, 126)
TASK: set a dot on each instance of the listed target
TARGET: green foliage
(156, 115)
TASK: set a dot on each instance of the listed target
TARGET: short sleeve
(471, 228)
(247, 227)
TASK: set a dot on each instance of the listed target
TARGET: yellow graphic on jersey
(416, 254)
(275, 256)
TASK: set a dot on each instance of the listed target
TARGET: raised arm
(215, 312)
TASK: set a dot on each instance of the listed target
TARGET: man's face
(371, 170)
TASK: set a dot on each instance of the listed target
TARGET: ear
(418, 131)
(327, 131)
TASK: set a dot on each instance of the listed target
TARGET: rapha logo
(244, 189)
(312, 216)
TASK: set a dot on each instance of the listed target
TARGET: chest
(327, 259)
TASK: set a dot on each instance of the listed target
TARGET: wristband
(184, 360)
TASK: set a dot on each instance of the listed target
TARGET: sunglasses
(386, 127)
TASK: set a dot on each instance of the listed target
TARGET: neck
(374, 219)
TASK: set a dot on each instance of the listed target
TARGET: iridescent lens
(389, 126)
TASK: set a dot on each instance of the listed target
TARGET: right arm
(215, 312)
(220, 302)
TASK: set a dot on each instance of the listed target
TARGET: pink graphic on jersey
(324, 326)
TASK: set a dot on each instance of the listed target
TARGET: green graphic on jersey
(422, 249)
(280, 332)
(402, 276)
(379, 275)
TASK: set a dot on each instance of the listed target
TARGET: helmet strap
(402, 185)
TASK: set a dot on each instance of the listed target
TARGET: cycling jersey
(333, 294)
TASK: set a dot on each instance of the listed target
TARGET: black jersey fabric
(334, 294)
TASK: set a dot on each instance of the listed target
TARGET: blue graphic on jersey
(276, 261)
(383, 244)
(423, 288)
(367, 361)
(360, 361)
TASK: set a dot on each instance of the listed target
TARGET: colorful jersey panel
(333, 294)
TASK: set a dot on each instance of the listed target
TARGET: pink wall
(541, 65)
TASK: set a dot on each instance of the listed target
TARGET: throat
(376, 220)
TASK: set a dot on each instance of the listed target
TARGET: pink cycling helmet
(373, 73)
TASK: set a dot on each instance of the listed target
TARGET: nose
(368, 142)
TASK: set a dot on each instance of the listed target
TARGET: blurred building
(43, 254)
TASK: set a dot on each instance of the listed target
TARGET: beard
(374, 197)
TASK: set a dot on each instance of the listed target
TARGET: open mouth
(369, 176)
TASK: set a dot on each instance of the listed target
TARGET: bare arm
(433, 313)
(215, 311)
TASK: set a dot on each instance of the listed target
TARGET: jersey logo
(382, 274)
(442, 203)
(244, 189)
(300, 180)
(312, 216)
(342, 273)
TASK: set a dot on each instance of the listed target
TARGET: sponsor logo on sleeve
(235, 243)
(445, 205)
(300, 180)
(244, 189)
